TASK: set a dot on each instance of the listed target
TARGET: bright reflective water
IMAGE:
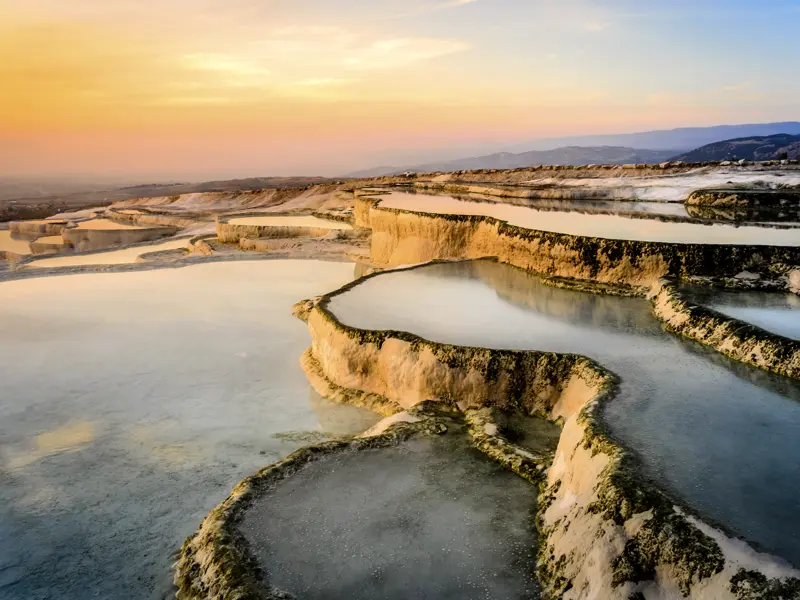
(431, 518)
(12, 243)
(597, 225)
(131, 404)
(778, 313)
(289, 221)
(719, 434)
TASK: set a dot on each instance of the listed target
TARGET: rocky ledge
(607, 532)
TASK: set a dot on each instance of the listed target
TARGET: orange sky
(260, 87)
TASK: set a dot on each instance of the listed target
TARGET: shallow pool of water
(596, 225)
(12, 243)
(431, 518)
(131, 405)
(778, 313)
(719, 434)
(111, 257)
(106, 224)
(289, 221)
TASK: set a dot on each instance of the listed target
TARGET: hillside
(682, 138)
(771, 147)
(32, 199)
(570, 155)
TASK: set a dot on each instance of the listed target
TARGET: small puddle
(289, 221)
(430, 518)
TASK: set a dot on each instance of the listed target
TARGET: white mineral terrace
(113, 257)
(676, 188)
(289, 221)
(596, 225)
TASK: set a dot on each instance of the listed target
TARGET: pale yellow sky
(324, 86)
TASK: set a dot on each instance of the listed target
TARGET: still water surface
(778, 313)
(132, 403)
(596, 225)
(431, 518)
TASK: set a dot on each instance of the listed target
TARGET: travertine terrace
(605, 529)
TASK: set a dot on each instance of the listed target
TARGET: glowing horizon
(271, 87)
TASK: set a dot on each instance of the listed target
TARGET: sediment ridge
(406, 237)
(607, 532)
(230, 232)
(596, 507)
(734, 338)
(726, 198)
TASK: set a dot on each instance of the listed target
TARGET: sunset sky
(216, 88)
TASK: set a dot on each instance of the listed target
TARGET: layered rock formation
(608, 533)
(403, 237)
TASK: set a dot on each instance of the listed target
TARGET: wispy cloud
(423, 10)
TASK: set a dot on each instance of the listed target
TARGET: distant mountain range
(570, 155)
(682, 139)
(771, 147)
(646, 147)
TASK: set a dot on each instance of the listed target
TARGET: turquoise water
(718, 434)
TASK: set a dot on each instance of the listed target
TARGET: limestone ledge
(406, 237)
(739, 198)
(363, 205)
(198, 245)
(526, 174)
(53, 246)
(231, 233)
(704, 197)
(734, 338)
(41, 227)
(13, 257)
(608, 532)
(154, 218)
(100, 239)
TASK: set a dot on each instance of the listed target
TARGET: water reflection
(717, 433)
(596, 225)
(132, 404)
(775, 312)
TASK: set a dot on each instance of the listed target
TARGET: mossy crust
(734, 338)
(216, 563)
(667, 539)
(629, 262)
(732, 197)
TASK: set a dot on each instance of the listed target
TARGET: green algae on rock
(595, 505)
(734, 338)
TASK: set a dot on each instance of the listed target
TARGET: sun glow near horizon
(322, 87)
